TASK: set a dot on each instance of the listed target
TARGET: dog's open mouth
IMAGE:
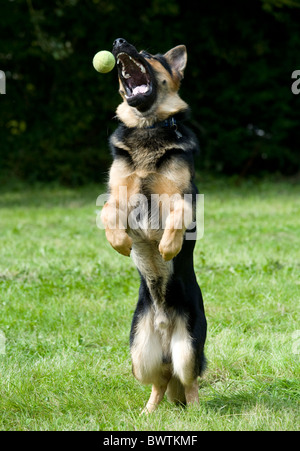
(134, 75)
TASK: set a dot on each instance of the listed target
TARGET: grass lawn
(67, 299)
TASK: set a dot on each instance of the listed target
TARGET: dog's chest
(149, 162)
(146, 152)
(146, 159)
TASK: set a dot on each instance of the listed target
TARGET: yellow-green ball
(104, 61)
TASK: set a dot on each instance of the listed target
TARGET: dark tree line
(58, 111)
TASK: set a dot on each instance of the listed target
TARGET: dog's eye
(164, 82)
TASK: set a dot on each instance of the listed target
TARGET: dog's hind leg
(183, 358)
(183, 394)
(157, 394)
(175, 391)
(192, 393)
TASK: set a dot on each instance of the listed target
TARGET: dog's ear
(177, 58)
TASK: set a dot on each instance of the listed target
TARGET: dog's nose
(119, 42)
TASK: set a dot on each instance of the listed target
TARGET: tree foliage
(58, 111)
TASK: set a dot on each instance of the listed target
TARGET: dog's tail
(175, 391)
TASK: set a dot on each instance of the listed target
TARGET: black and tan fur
(154, 157)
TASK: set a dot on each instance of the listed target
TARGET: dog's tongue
(139, 90)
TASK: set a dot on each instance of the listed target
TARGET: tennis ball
(104, 61)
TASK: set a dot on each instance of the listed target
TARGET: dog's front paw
(119, 240)
(170, 244)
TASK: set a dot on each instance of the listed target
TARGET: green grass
(67, 299)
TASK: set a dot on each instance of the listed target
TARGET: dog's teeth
(125, 75)
(141, 67)
(138, 64)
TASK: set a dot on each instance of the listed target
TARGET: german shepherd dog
(153, 154)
